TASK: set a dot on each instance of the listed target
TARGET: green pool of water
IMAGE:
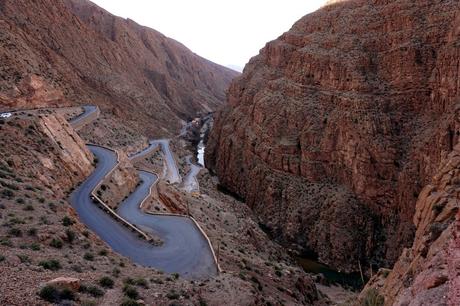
(349, 280)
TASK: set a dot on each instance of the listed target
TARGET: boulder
(70, 283)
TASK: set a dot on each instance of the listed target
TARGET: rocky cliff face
(334, 128)
(92, 57)
(45, 149)
(427, 273)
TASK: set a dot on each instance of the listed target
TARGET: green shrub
(66, 221)
(53, 207)
(70, 236)
(129, 281)
(106, 282)
(6, 193)
(91, 290)
(49, 294)
(67, 294)
(2, 258)
(202, 302)
(6, 242)
(15, 232)
(157, 281)
(9, 186)
(116, 272)
(35, 247)
(173, 295)
(130, 292)
(44, 220)
(54, 295)
(52, 264)
(141, 282)
(103, 253)
(20, 201)
(88, 256)
(29, 208)
(372, 298)
(16, 220)
(32, 231)
(24, 258)
(56, 243)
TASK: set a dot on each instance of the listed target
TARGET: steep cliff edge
(91, 56)
(428, 273)
(334, 128)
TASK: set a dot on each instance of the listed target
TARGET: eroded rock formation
(334, 128)
(45, 147)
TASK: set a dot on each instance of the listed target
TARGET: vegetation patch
(54, 295)
(52, 264)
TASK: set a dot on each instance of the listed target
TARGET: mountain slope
(334, 128)
(91, 56)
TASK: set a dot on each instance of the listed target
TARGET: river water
(200, 152)
(351, 281)
(205, 129)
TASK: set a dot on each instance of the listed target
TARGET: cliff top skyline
(213, 29)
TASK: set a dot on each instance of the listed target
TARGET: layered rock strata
(335, 127)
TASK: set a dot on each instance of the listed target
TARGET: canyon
(337, 147)
(60, 59)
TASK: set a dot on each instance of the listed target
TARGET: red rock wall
(334, 128)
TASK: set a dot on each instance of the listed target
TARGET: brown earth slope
(41, 238)
(88, 56)
(334, 128)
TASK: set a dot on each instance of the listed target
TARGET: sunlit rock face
(335, 127)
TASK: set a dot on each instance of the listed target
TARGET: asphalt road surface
(185, 249)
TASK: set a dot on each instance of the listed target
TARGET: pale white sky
(226, 32)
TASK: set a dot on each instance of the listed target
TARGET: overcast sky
(226, 32)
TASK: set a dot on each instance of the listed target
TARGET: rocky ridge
(86, 55)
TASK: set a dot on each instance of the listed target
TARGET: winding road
(185, 250)
(172, 174)
(87, 111)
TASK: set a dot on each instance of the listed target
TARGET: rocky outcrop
(46, 148)
(91, 56)
(69, 283)
(334, 128)
(32, 92)
(73, 151)
(119, 183)
(428, 273)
